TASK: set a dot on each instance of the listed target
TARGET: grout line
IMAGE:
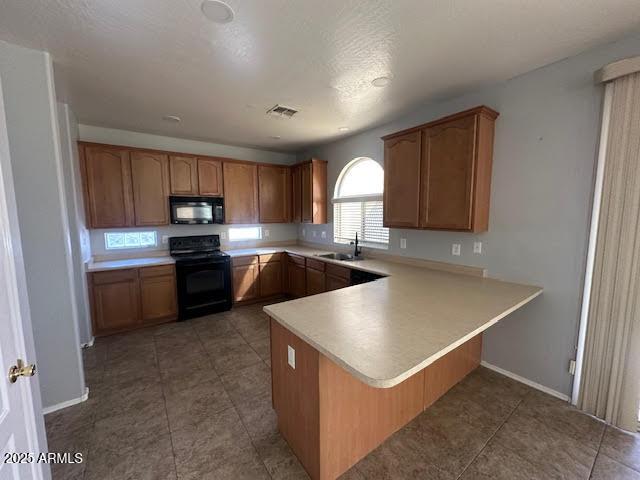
(604, 430)
(492, 436)
(164, 399)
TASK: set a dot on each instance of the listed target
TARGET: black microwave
(196, 210)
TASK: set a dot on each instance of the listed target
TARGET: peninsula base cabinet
(127, 299)
(331, 419)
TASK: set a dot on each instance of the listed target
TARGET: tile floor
(192, 401)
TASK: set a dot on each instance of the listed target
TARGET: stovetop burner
(196, 247)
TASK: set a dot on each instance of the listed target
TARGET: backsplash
(273, 232)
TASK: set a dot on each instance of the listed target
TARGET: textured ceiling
(126, 63)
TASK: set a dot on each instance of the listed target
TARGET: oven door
(204, 287)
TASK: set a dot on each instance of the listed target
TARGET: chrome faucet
(356, 251)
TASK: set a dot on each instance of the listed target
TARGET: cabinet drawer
(315, 264)
(245, 260)
(113, 276)
(270, 257)
(297, 259)
(157, 271)
(338, 271)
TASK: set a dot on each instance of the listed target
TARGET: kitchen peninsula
(352, 366)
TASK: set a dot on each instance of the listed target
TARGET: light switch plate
(304, 232)
(165, 239)
(403, 243)
(477, 247)
(266, 232)
(323, 234)
(291, 356)
(455, 249)
(313, 233)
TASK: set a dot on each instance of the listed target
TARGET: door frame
(19, 301)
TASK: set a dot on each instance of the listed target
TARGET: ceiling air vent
(282, 111)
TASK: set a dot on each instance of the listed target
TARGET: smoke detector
(282, 111)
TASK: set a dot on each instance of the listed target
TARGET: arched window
(357, 204)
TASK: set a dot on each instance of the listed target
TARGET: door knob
(21, 370)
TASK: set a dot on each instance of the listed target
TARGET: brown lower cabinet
(127, 299)
(296, 276)
(315, 277)
(337, 277)
(257, 276)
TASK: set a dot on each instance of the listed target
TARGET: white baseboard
(68, 403)
(89, 343)
(526, 381)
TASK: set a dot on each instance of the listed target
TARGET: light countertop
(128, 263)
(383, 332)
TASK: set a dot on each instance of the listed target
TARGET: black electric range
(203, 275)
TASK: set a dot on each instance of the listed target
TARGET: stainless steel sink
(340, 256)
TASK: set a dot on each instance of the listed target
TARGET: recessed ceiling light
(275, 137)
(380, 81)
(344, 129)
(172, 118)
(217, 11)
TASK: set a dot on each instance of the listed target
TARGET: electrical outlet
(266, 232)
(304, 232)
(403, 243)
(291, 357)
(455, 249)
(223, 235)
(165, 239)
(323, 234)
(477, 247)
(313, 233)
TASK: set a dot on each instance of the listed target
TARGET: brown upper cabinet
(150, 175)
(128, 187)
(438, 175)
(296, 193)
(184, 175)
(274, 193)
(402, 180)
(195, 176)
(241, 192)
(107, 186)
(312, 194)
(210, 177)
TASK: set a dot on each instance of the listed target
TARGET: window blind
(363, 217)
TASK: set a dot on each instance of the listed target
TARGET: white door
(21, 421)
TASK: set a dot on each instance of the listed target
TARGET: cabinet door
(107, 183)
(115, 301)
(402, 180)
(296, 280)
(274, 194)
(306, 192)
(334, 283)
(296, 194)
(184, 175)
(241, 192)
(270, 279)
(150, 173)
(315, 281)
(158, 294)
(447, 174)
(210, 177)
(245, 282)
